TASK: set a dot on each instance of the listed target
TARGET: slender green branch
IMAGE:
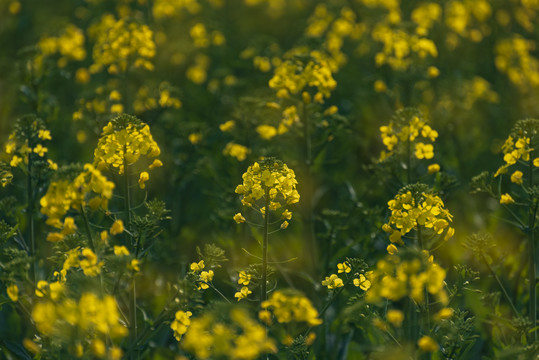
(493, 273)
(532, 278)
(87, 227)
(263, 293)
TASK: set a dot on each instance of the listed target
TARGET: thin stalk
(409, 162)
(263, 289)
(133, 293)
(30, 214)
(532, 266)
(421, 246)
(87, 228)
(493, 273)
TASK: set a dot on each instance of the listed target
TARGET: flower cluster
(244, 279)
(237, 151)
(295, 75)
(120, 42)
(242, 338)
(93, 318)
(69, 45)
(413, 209)
(395, 278)
(514, 151)
(123, 141)
(272, 180)
(360, 280)
(181, 323)
(202, 277)
(405, 127)
(89, 187)
(289, 307)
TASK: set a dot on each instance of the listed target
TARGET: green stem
(30, 214)
(532, 265)
(263, 291)
(133, 293)
(409, 162)
(87, 228)
(493, 273)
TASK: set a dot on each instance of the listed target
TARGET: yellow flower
(206, 277)
(117, 108)
(332, 282)
(238, 218)
(155, 163)
(362, 282)
(134, 265)
(284, 225)
(536, 162)
(380, 86)
(343, 267)
(244, 278)
(196, 267)
(423, 151)
(117, 227)
(243, 293)
(144, 176)
(395, 317)
(266, 132)
(506, 199)
(40, 150)
(44, 134)
(286, 215)
(445, 313)
(433, 168)
(194, 138)
(516, 177)
(392, 249)
(181, 323)
(238, 151)
(15, 161)
(433, 72)
(227, 126)
(55, 237)
(121, 251)
(427, 344)
(13, 292)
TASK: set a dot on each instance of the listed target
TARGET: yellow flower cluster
(240, 338)
(167, 8)
(268, 178)
(395, 278)
(93, 318)
(289, 117)
(124, 139)
(514, 58)
(120, 44)
(467, 19)
(181, 323)
(402, 131)
(514, 151)
(90, 188)
(399, 46)
(203, 277)
(237, 151)
(295, 75)
(69, 45)
(202, 38)
(244, 279)
(289, 307)
(86, 259)
(410, 211)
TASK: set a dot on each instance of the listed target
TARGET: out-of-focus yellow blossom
(197, 266)
(117, 227)
(227, 125)
(516, 177)
(266, 132)
(90, 188)
(433, 168)
(134, 265)
(243, 293)
(181, 323)
(156, 163)
(294, 75)
(144, 176)
(121, 251)
(445, 313)
(69, 226)
(506, 199)
(238, 151)
(292, 307)
(392, 249)
(40, 150)
(380, 86)
(395, 317)
(13, 292)
(238, 218)
(242, 338)
(467, 19)
(167, 8)
(427, 344)
(69, 45)
(332, 282)
(424, 151)
(89, 264)
(194, 138)
(395, 278)
(121, 44)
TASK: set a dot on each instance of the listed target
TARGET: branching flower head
(408, 132)
(519, 147)
(123, 141)
(414, 206)
(270, 181)
(291, 307)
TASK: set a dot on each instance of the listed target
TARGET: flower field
(269, 179)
